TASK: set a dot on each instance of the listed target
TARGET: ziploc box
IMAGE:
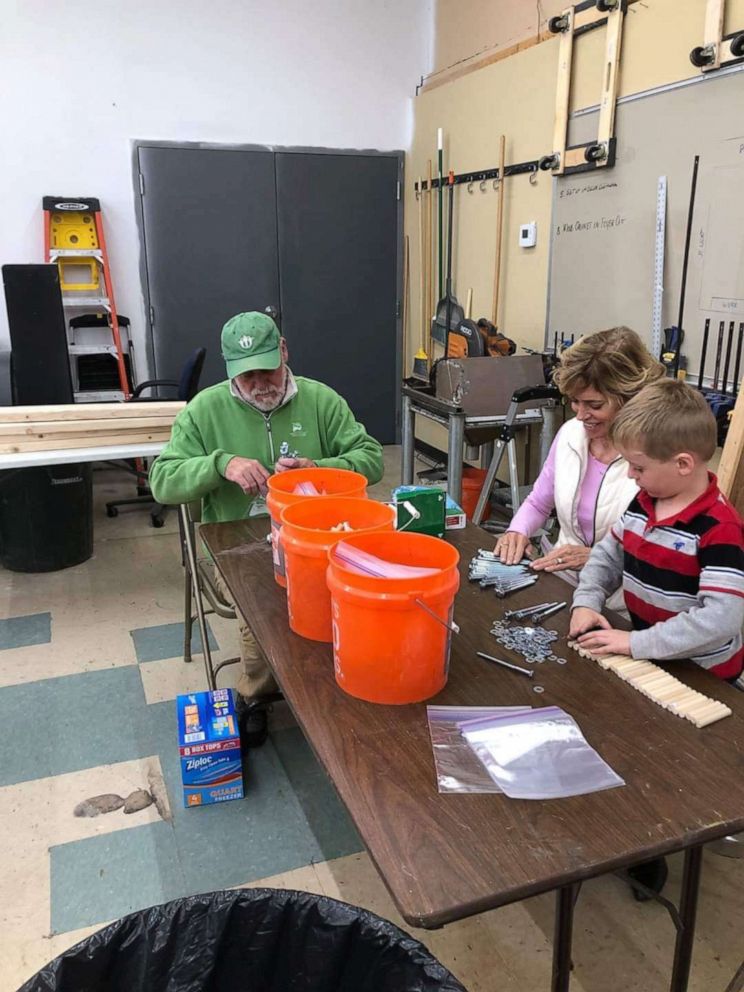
(209, 744)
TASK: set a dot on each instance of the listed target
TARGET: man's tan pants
(255, 677)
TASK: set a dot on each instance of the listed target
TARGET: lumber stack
(85, 425)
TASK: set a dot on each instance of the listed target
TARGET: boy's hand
(610, 641)
(584, 619)
(285, 464)
(567, 556)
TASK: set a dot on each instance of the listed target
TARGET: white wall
(82, 79)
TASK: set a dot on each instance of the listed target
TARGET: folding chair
(199, 585)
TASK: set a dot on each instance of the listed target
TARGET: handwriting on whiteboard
(592, 224)
(567, 191)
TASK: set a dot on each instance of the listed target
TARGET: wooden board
(731, 466)
(89, 411)
(44, 428)
(85, 441)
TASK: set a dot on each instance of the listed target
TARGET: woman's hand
(511, 547)
(573, 556)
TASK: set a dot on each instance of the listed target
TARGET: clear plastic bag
(457, 766)
(538, 754)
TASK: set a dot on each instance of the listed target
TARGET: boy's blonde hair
(615, 362)
(664, 419)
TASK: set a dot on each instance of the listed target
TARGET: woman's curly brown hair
(615, 362)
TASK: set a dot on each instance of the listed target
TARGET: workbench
(447, 857)
(460, 427)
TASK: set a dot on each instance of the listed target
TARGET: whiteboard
(603, 222)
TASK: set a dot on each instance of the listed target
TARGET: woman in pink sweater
(584, 479)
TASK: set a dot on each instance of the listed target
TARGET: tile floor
(89, 668)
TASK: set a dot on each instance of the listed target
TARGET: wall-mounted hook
(482, 185)
(533, 177)
(496, 182)
(470, 186)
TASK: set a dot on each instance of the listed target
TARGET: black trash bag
(254, 940)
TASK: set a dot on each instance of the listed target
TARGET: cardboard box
(209, 745)
(430, 508)
(454, 515)
(429, 501)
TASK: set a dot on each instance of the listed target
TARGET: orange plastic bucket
(472, 483)
(386, 647)
(328, 482)
(306, 538)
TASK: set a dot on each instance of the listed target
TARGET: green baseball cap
(250, 341)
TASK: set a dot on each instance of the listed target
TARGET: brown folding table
(447, 857)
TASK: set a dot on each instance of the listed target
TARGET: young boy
(677, 551)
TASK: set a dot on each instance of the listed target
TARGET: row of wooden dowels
(661, 687)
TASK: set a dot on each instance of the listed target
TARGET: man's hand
(567, 556)
(601, 642)
(247, 473)
(511, 547)
(584, 619)
(285, 464)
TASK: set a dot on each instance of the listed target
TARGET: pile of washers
(533, 643)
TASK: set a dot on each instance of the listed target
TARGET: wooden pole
(499, 233)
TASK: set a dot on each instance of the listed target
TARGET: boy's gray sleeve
(602, 574)
(716, 619)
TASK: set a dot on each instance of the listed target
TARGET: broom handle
(406, 296)
(422, 284)
(429, 247)
(441, 192)
(499, 233)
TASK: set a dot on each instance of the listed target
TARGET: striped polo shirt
(668, 564)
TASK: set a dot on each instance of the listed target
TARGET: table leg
(408, 425)
(565, 900)
(454, 455)
(687, 911)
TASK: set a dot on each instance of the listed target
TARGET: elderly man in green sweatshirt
(231, 437)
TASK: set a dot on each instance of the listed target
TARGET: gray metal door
(209, 227)
(338, 258)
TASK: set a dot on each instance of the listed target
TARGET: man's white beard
(265, 398)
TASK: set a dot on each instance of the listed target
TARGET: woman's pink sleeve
(538, 506)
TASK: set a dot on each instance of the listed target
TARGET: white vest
(615, 492)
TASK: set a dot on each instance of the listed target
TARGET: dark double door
(316, 235)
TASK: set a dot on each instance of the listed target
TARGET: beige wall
(466, 27)
(516, 97)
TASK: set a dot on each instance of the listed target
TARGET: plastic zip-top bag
(539, 754)
(457, 766)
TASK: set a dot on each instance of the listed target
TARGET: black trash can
(255, 940)
(46, 517)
